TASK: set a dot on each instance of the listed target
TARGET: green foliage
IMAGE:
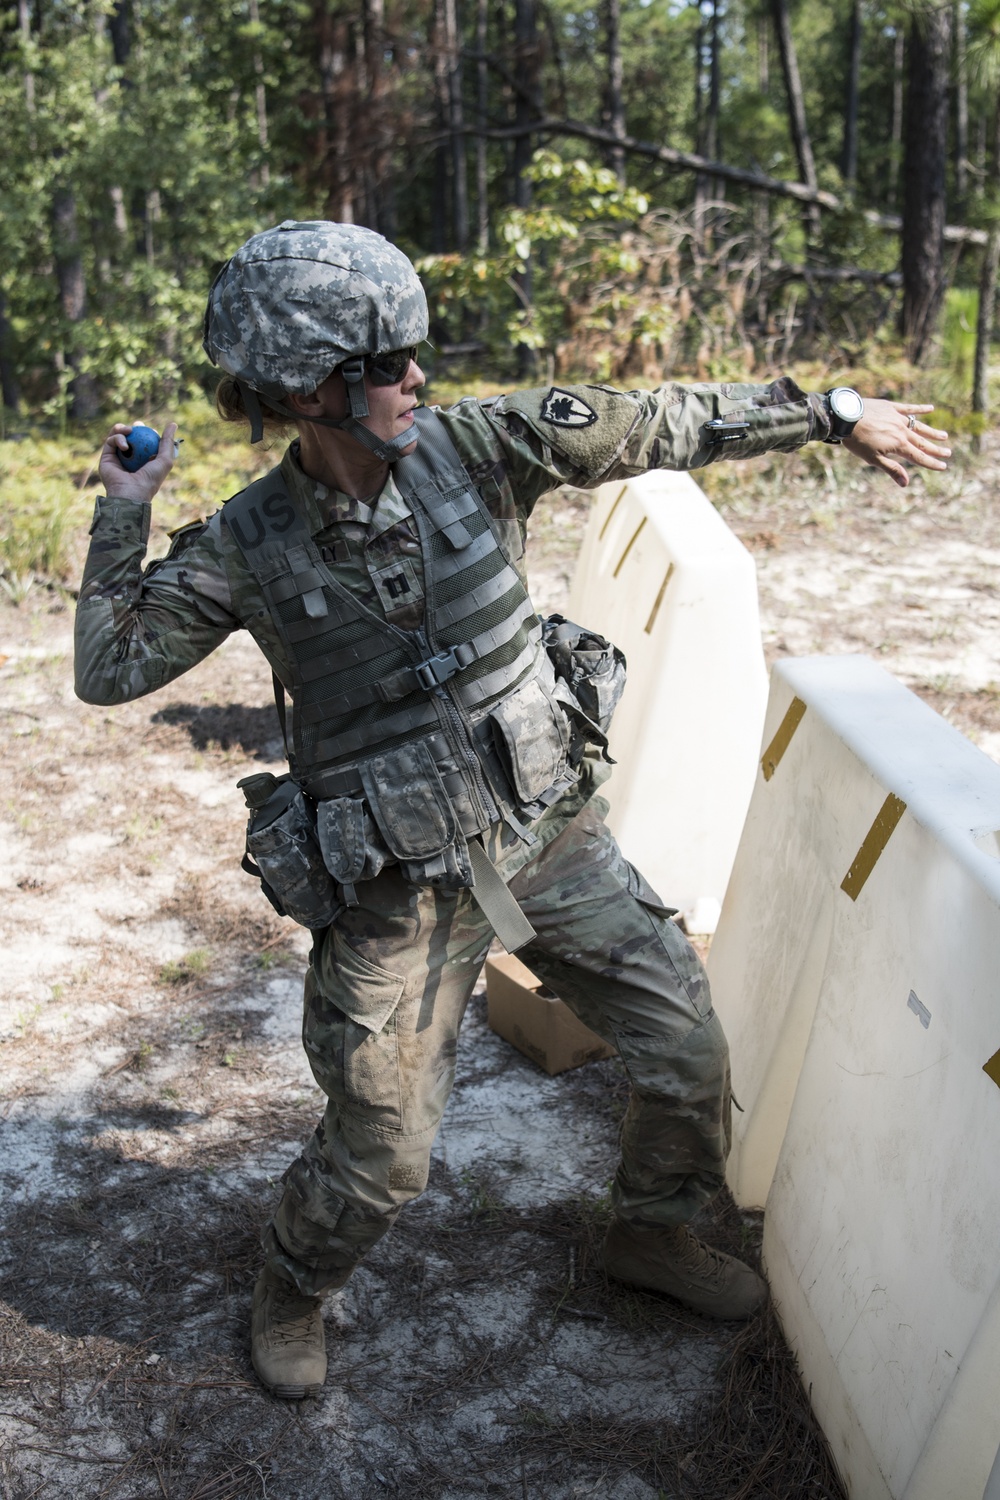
(572, 229)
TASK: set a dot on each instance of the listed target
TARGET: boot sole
(291, 1392)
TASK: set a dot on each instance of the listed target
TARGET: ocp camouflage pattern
(135, 631)
(385, 997)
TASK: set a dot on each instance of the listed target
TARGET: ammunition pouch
(282, 850)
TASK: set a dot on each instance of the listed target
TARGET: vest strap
(496, 903)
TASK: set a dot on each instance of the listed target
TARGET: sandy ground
(154, 1090)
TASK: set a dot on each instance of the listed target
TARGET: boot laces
(292, 1315)
(698, 1260)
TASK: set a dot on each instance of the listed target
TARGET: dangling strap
(279, 703)
(496, 902)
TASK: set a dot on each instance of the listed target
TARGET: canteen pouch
(283, 852)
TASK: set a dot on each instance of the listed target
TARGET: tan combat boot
(288, 1346)
(674, 1261)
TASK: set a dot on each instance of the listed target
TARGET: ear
(309, 406)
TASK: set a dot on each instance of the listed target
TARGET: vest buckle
(438, 669)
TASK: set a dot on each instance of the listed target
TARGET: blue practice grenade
(143, 444)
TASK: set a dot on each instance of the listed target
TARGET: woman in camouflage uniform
(444, 767)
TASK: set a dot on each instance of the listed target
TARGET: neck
(336, 460)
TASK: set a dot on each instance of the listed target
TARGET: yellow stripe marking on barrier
(648, 627)
(870, 852)
(992, 1068)
(771, 758)
(632, 541)
(614, 507)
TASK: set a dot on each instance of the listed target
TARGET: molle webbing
(360, 684)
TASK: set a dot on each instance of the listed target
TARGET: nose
(414, 377)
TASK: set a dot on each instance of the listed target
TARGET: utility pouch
(532, 733)
(349, 843)
(413, 812)
(409, 801)
(283, 852)
(592, 668)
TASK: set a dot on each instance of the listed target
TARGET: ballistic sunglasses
(389, 368)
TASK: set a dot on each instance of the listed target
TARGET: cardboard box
(535, 1021)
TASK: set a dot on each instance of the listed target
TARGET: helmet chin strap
(353, 371)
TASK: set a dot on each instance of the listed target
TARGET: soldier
(444, 754)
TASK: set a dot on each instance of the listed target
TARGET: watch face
(846, 404)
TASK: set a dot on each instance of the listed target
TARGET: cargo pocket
(533, 735)
(641, 889)
(368, 997)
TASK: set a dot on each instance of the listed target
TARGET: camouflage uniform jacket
(138, 630)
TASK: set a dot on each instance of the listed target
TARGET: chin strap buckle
(353, 371)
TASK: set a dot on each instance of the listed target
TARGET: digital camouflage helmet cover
(297, 301)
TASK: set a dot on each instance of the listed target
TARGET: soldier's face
(390, 407)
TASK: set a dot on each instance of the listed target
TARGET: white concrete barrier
(662, 576)
(857, 971)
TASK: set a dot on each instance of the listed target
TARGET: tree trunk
(714, 99)
(614, 105)
(987, 289)
(796, 108)
(443, 161)
(896, 128)
(961, 108)
(984, 324)
(336, 139)
(260, 98)
(378, 127)
(9, 391)
(72, 296)
(924, 177)
(528, 104)
(527, 109)
(120, 27)
(482, 111)
(701, 181)
(849, 154)
(24, 27)
(763, 54)
(456, 127)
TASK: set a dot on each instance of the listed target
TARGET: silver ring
(911, 421)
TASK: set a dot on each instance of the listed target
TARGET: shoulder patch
(587, 424)
(563, 409)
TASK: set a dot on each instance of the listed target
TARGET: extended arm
(135, 631)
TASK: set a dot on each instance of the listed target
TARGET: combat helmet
(297, 301)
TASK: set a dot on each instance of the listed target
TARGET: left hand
(884, 436)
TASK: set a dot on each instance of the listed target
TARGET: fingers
(894, 470)
(928, 457)
(929, 432)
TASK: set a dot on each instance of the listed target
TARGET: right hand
(118, 483)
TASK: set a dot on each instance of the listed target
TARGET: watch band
(845, 408)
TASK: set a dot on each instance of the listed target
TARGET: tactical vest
(411, 742)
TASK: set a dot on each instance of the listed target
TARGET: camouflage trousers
(385, 996)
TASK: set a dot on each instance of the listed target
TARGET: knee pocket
(676, 1062)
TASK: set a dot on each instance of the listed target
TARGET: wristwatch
(846, 409)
